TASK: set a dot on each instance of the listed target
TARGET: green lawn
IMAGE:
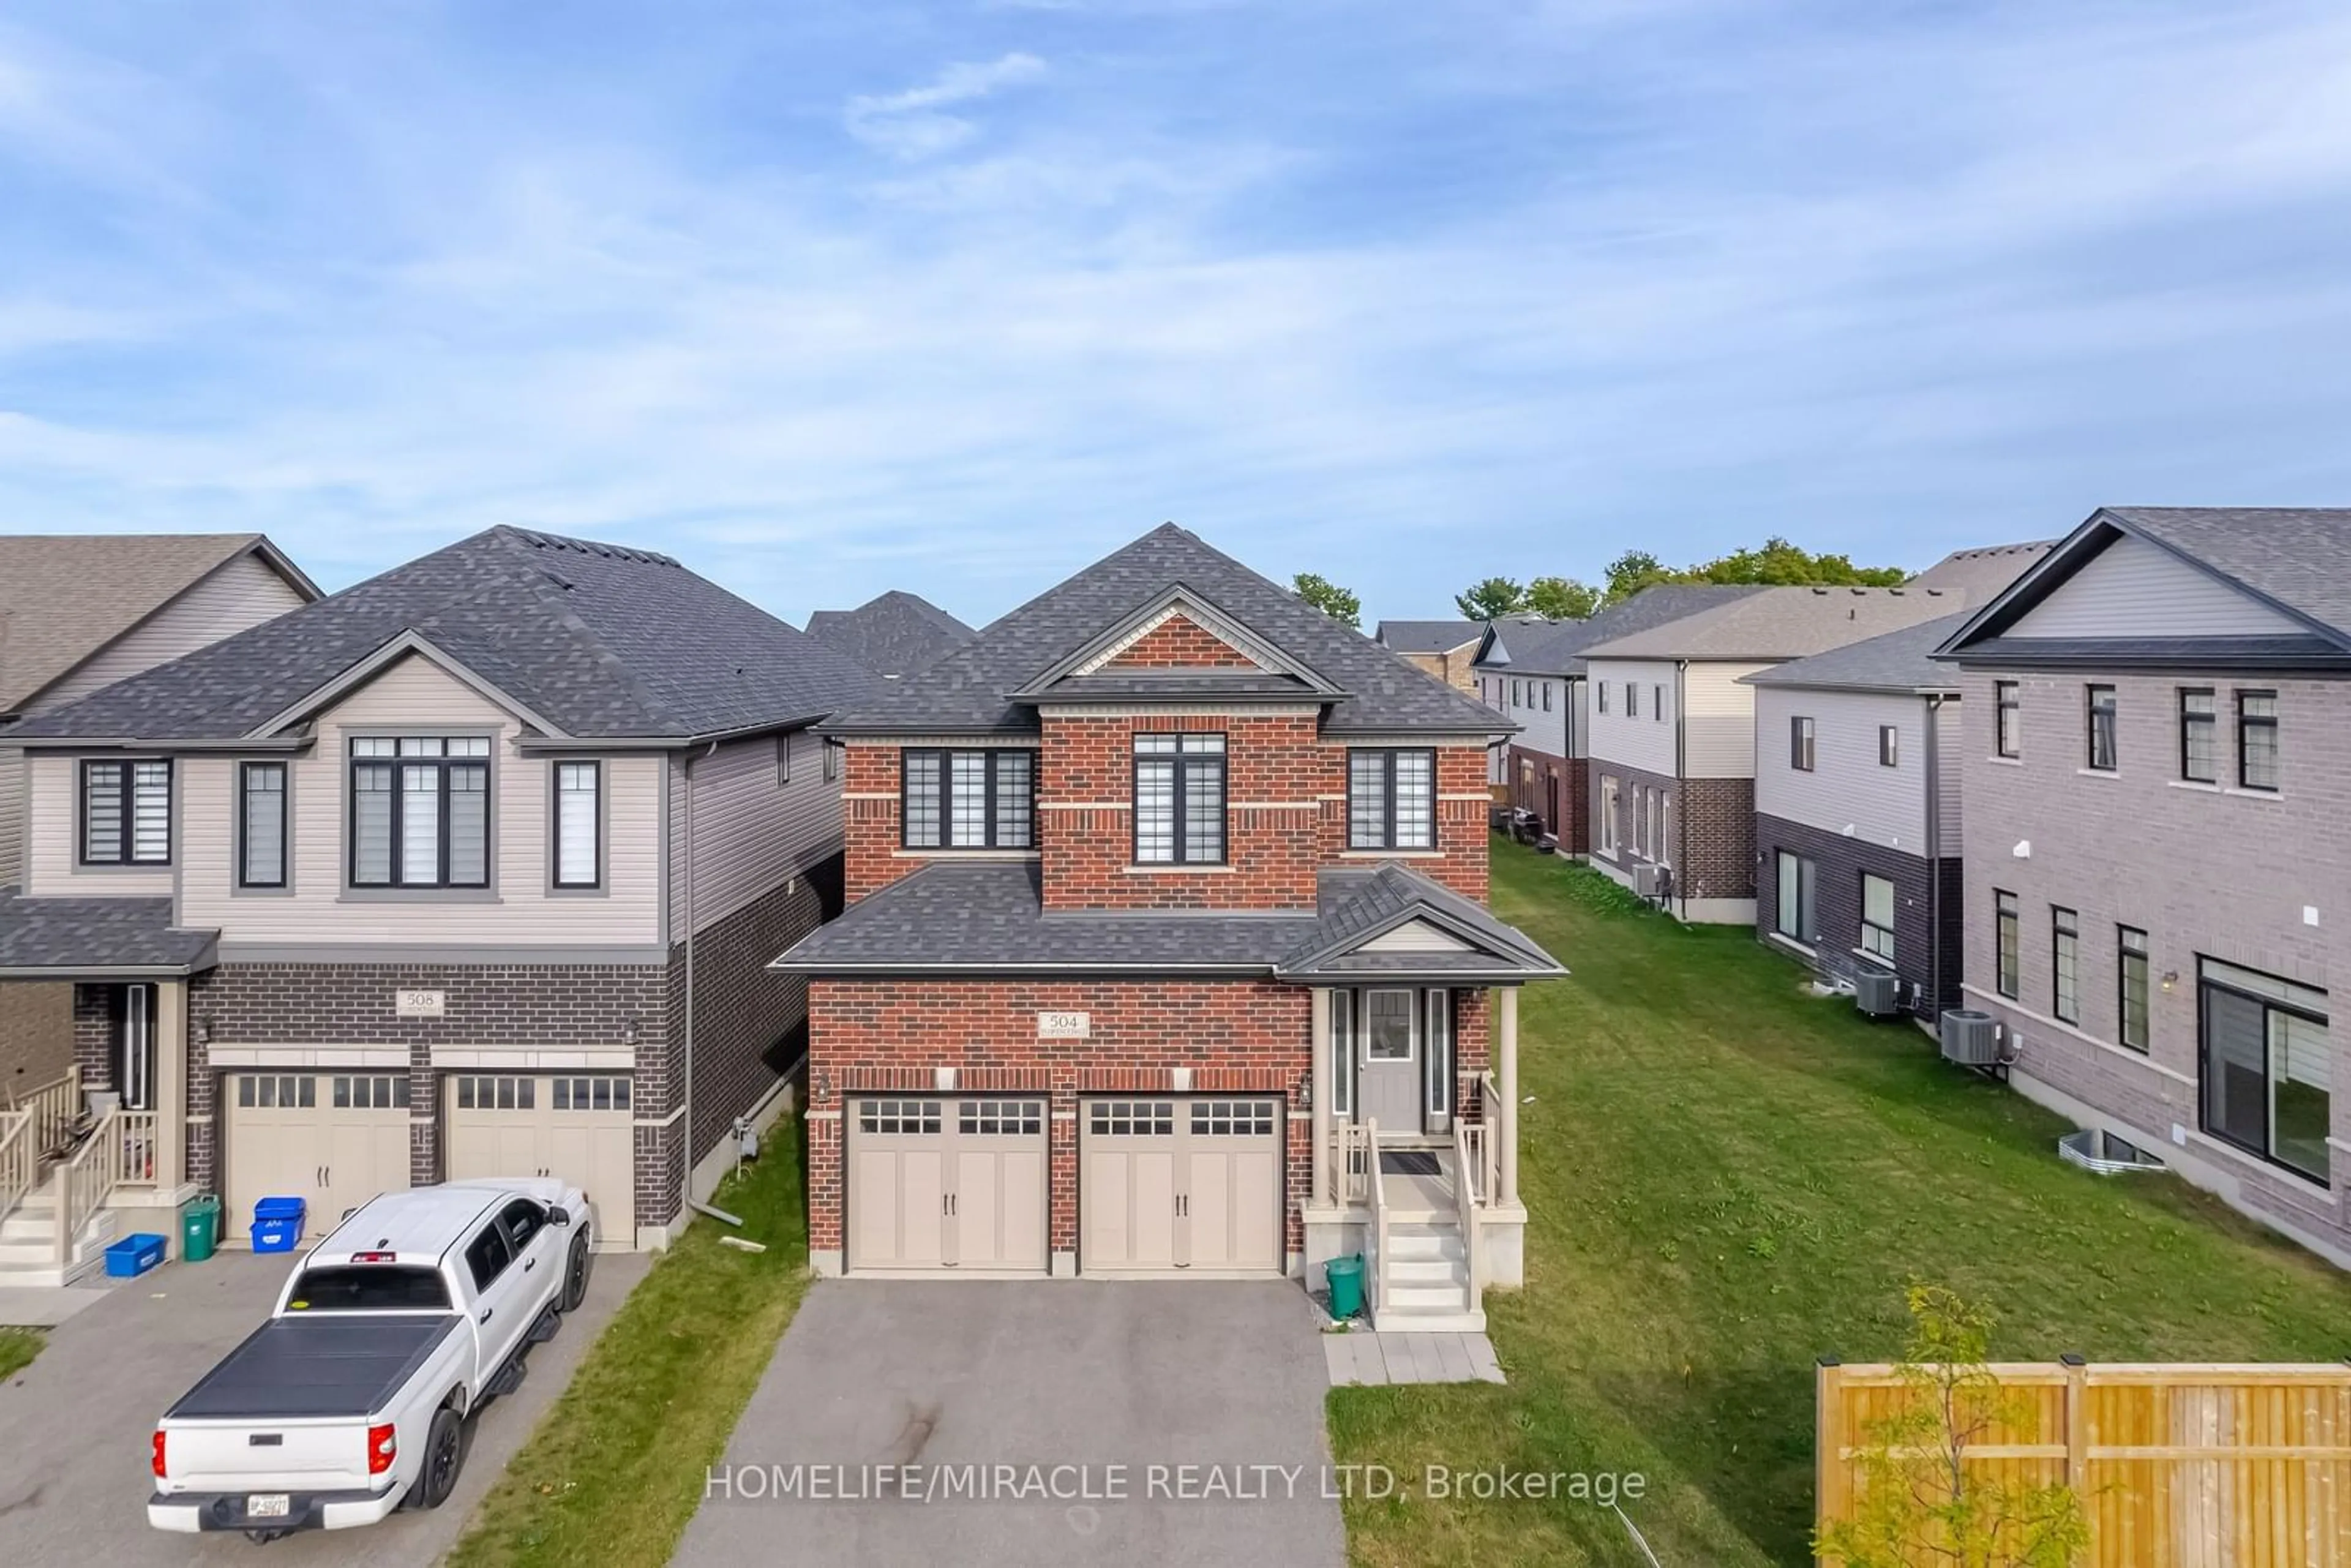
(616, 1468)
(1725, 1179)
(17, 1349)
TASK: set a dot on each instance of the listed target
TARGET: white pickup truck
(351, 1400)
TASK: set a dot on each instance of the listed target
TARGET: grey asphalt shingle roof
(601, 640)
(893, 634)
(1773, 624)
(966, 691)
(987, 915)
(2298, 556)
(86, 934)
(1896, 661)
(1426, 636)
(65, 596)
(1977, 574)
(1556, 647)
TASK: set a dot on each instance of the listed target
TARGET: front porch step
(1448, 1297)
(1432, 1270)
(1422, 1243)
(28, 1249)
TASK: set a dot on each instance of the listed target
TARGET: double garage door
(1165, 1185)
(336, 1140)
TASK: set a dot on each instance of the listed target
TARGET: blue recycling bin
(134, 1255)
(277, 1224)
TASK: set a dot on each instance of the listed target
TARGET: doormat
(1409, 1162)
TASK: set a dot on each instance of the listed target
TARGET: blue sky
(832, 299)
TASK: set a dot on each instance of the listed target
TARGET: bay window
(420, 811)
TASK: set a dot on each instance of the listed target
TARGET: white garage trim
(337, 1058)
(942, 1185)
(1178, 1186)
(585, 1059)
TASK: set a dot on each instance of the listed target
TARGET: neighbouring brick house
(78, 612)
(1441, 648)
(1533, 672)
(2156, 756)
(1163, 890)
(469, 870)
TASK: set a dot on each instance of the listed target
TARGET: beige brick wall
(2206, 870)
(36, 1035)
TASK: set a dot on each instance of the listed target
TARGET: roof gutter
(243, 744)
(1934, 853)
(529, 744)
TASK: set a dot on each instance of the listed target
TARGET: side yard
(1727, 1180)
(615, 1470)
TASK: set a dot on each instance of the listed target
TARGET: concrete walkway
(1034, 1423)
(74, 1426)
(46, 1306)
(1363, 1358)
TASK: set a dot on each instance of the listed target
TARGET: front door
(1389, 1065)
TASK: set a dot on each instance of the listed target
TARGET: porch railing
(1354, 1156)
(1468, 1199)
(52, 1108)
(20, 1160)
(1379, 1233)
(1498, 1118)
(119, 1153)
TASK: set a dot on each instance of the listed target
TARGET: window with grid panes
(1391, 799)
(1179, 799)
(420, 811)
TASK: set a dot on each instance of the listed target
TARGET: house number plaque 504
(1064, 1026)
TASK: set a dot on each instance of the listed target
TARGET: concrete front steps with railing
(28, 1242)
(1428, 1289)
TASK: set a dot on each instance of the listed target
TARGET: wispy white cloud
(915, 123)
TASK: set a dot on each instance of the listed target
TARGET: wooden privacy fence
(2178, 1466)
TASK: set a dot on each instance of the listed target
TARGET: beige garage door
(1177, 1185)
(332, 1139)
(945, 1183)
(576, 1126)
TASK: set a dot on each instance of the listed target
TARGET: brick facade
(1537, 779)
(2206, 870)
(1920, 925)
(36, 1035)
(1234, 1037)
(1179, 642)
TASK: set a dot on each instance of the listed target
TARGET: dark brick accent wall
(1714, 840)
(93, 1035)
(36, 1037)
(1628, 779)
(1571, 822)
(1951, 937)
(749, 1024)
(1839, 862)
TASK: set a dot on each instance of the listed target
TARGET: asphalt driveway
(1038, 1423)
(74, 1426)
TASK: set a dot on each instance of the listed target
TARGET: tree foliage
(1339, 603)
(1917, 1502)
(1492, 599)
(1562, 599)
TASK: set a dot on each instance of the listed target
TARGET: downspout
(685, 1177)
(1934, 856)
(1681, 782)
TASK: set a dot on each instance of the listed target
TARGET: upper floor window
(1518, 694)
(2010, 719)
(1600, 691)
(2257, 740)
(969, 800)
(2199, 737)
(1391, 799)
(126, 812)
(1632, 700)
(1658, 704)
(2101, 718)
(421, 812)
(2066, 965)
(1546, 691)
(579, 791)
(1800, 743)
(1889, 746)
(1179, 799)
(261, 822)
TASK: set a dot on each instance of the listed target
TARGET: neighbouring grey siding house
(78, 612)
(2156, 756)
(1533, 671)
(469, 870)
(893, 635)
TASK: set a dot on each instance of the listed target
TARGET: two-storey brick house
(1165, 892)
(468, 870)
(2156, 754)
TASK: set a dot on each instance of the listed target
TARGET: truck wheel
(444, 1456)
(575, 1277)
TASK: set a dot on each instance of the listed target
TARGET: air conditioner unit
(1970, 1038)
(1645, 881)
(1877, 992)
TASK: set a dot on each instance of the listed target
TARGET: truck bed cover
(298, 1368)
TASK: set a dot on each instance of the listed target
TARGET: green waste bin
(199, 1229)
(1346, 1276)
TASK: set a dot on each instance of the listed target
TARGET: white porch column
(1318, 1026)
(1509, 1084)
(170, 1084)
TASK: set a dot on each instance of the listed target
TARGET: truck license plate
(267, 1505)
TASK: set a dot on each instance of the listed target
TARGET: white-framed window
(1889, 746)
(1600, 695)
(1632, 700)
(579, 818)
(1607, 814)
(783, 759)
(1658, 704)
(126, 811)
(1877, 917)
(420, 811)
